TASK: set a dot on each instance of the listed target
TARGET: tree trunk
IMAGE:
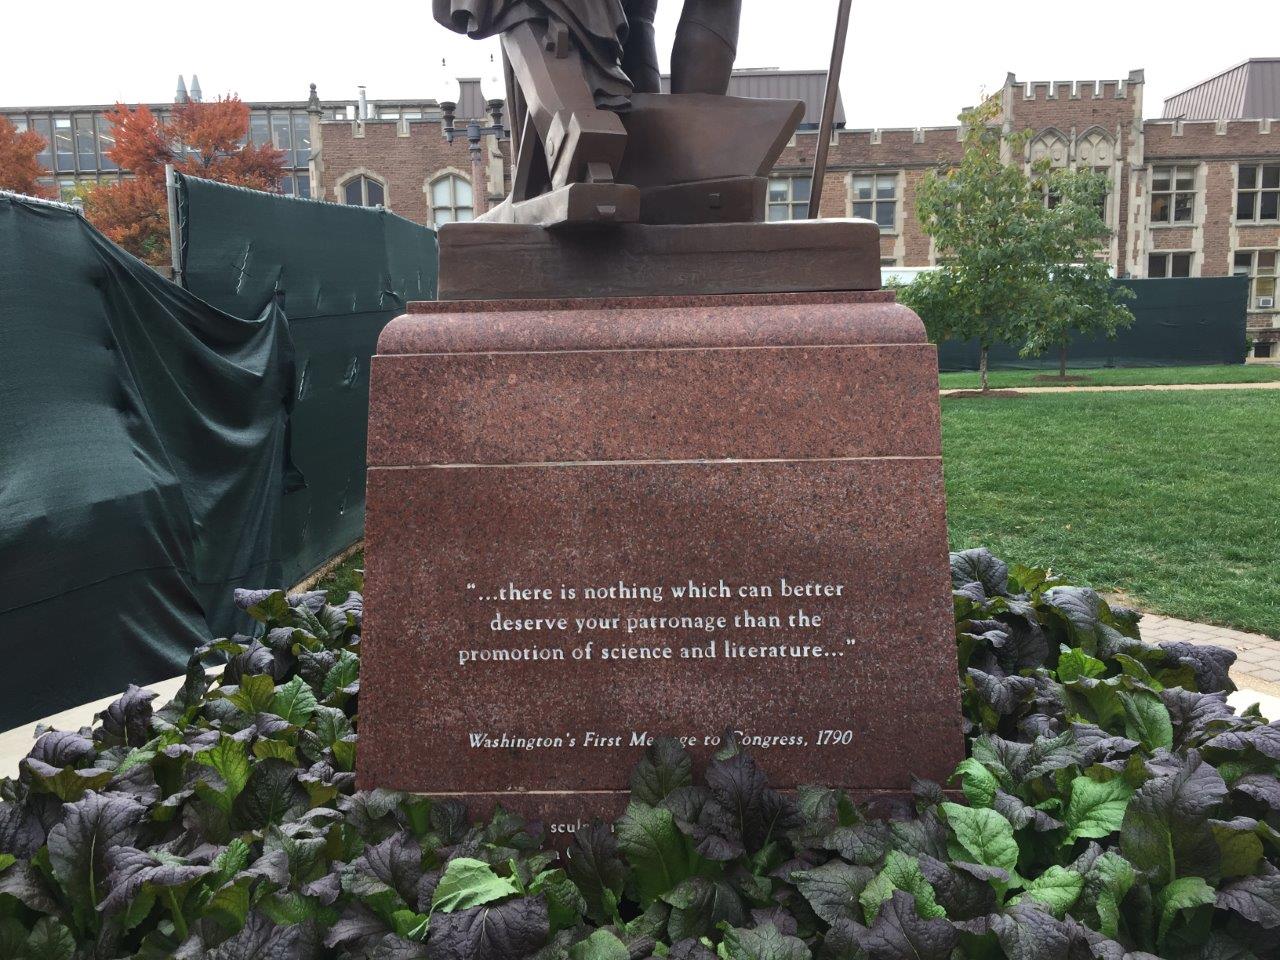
(982, 367)
(1062, 361)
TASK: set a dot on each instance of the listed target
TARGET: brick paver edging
(1257, 665)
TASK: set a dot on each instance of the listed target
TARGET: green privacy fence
(1179, 322)
(339, 274)
(143, 455)
(161, 446)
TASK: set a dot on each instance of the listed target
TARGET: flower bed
(1116, 807)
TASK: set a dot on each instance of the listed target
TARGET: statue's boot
(640, 56)
(705, 47)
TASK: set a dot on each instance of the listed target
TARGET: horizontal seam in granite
(640, 463)
(655, 301)
(688, 349)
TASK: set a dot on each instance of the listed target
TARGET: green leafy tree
(1011, 267)
(1083, 298)
(984, 216)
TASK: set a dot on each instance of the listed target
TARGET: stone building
(1193, 193)
(397, 156)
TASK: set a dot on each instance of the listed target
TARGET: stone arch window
(1050, 149)
(1051, 146)
(362, 188)
(1095, 150)
(450, 197)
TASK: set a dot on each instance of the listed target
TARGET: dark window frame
(1169, 261)
(1173, 196)
(872, 207)
(1261, 193)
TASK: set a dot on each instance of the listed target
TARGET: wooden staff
(829, 107)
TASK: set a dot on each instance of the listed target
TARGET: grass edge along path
(1115, 376)
(1166, 497)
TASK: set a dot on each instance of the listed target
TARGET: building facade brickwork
(1188, 197)
(408, 157)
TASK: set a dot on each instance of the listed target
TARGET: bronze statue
(594, 138)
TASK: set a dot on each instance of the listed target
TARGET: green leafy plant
(1112, 805)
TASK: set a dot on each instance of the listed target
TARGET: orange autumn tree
(20, 171)
(200, 139)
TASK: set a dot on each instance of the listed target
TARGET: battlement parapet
(1042, 90)
(1172, 129)
(879, 136)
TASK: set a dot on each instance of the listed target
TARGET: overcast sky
(909, 63)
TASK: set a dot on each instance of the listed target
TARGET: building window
(1260, 267)
(789, 197)
(280, 137)
(1169, 265)
(1049, 195)
(259, 129)
(451, 200)
(875, 198)
(1258, 196)
(86, 149)
(1104, 201)
(106, 142)
(301, 139)
(296, 185)
(41, 126)
(1262, 349)
(1173, 194)
(63, 148)
(362, 191)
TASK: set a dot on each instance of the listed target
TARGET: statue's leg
(640, 57)
(582, 142)
(706, 45)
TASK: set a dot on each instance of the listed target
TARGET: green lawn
(1125, 376)
(345, 577)
(1172, 498)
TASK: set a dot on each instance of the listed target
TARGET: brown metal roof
(807, 85)
(1248, 91)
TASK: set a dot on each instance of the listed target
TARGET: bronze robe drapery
(598, 26)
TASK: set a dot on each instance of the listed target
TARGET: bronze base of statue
(521, 261)
(574, 204)
(688, 158)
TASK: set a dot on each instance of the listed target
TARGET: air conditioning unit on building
(1266, 303)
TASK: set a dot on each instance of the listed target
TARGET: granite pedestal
(594, 522)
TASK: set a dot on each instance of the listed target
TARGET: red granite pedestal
(537, 463)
